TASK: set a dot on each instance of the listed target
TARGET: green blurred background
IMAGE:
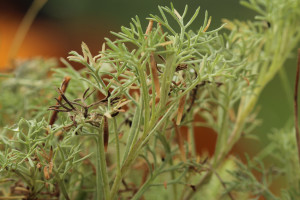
(62, 25)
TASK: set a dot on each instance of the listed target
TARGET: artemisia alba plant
(114, 128)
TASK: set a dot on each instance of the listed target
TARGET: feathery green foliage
(118, 130)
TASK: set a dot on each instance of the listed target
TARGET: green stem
(246, 109)
(134, 130)
(145, 94)
(246, 106)
(62, 186)
(99, 182)
(134, 151)
(117, 146)
(153, 110)
(102, 175)
(166, 80)
(222, 134)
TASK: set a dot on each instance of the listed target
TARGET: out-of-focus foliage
(21, 91)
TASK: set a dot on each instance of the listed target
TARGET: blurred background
(62, 25)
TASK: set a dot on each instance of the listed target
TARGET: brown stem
(63, 87)
(66, 99)
(105, 133)
(296, 105)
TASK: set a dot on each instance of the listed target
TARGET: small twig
(78, 104)
(194, 94)
(85, 93)
(162, 58)
(296, 105)
(64, 86)
(125, 184)
(65, 98)
(57, 110)
(61, 105)
(87, 96)
(112, 101)
(105, 133)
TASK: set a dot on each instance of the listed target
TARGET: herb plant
(113, 129)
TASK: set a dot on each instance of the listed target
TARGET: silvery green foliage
(144, 79)
(39, 162)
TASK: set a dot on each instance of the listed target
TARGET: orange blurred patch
(43, 39)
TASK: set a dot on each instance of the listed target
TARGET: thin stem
(101, 165)
(117, 146)
(296, 106)
(166, 80)
(222, 134)
(63, 88)
(247, 105)
(99, 181)
(155, 86)
(134, 130)
(145, 94)
(62, 186)
(168, 150)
